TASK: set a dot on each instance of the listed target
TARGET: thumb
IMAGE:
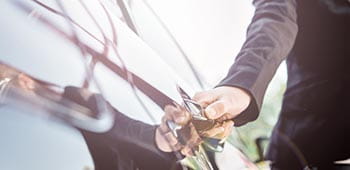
(216, 109)
(205, 98)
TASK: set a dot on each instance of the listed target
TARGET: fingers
(181, 117)
(192, 143)
(228, 126)
(223, 102)
(205, 98)
(213, 132)
(194, 139)
(166, 141)
(177, 114)
(215, 104)
(163, 127)
(25, 82)
(172, 141)
(187, 151)
(225, 117)
(217, 109)
(220, 132)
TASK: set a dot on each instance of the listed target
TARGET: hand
(223, 103)
(165, 139)
(220, 131)
(167, 142)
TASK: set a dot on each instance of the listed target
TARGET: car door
(37, 40)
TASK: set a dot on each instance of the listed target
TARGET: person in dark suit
(313, 129)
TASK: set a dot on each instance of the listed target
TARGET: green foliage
(244, 137)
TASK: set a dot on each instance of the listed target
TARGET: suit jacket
(313, 127)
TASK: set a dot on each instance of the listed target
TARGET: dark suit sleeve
(270, 37)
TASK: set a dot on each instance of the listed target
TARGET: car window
(156, 33)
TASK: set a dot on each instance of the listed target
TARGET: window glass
(158, 36)
(36, 49)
